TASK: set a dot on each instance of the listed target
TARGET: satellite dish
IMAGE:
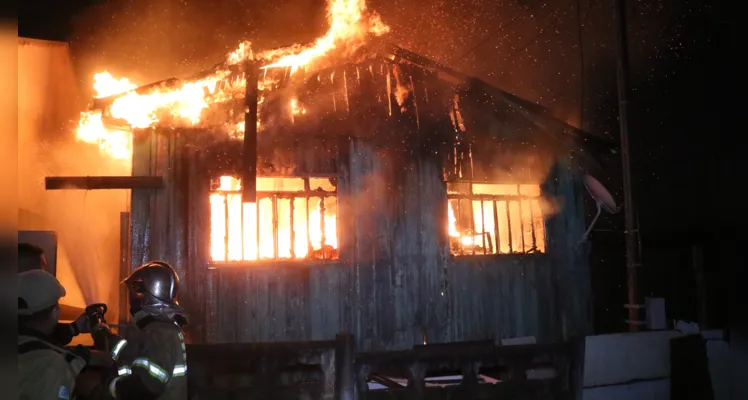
(602, 197)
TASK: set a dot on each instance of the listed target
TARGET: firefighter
(46, 369)
(151, 358)
(31, 257)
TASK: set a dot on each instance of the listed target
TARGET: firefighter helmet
(154, 284)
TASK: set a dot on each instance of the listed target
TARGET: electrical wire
(501, 29)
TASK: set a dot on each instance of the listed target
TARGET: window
(296, 219)
(495, 219)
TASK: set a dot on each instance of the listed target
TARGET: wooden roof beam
(103, 182)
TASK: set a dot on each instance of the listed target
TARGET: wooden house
(386, 196)
(398, 200)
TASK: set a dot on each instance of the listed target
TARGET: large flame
(351, 23)
(349, 26)
(293, 231)
(509, 219)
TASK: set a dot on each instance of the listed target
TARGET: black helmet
(154, 284)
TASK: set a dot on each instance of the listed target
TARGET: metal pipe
(631, 230)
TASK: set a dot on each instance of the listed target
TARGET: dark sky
(528, 47)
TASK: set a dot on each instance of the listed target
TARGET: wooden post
(697, 255)
(345, 374)
(416, 380)
(124, 265)
(249, 175)
(631, 226)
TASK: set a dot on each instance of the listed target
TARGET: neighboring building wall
(85, 222)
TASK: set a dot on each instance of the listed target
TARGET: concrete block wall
(637, 365)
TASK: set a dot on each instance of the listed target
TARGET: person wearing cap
(31, 257)
(46, 369)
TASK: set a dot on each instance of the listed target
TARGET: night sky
(527, 47)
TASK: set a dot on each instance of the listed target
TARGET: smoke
(86, 222)
(149, 41)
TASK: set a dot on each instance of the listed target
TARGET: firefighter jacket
(46, 370)
(151, 361)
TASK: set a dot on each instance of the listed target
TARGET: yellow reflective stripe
(124, 370)
(152, 368)
(179, 370)
(117, 348)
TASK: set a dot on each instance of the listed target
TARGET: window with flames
(489, 218)
(293, 219)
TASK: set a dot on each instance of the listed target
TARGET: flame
(240, 231)
(296, 108)
(106, 85)
(350, 24)
(518, 213)
(186, 102)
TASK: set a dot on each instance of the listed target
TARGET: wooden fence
(333, 370)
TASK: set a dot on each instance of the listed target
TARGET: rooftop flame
(350, 25)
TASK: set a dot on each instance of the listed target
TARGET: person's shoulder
(165, 326)
(162, 331)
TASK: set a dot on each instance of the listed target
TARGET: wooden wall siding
(164, 225)
(570, 257)
(395, 283)
(494, 298)
(158, 223)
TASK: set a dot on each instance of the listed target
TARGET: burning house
(379, 193)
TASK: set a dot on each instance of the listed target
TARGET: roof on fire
(589, 145)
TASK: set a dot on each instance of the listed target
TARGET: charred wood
(103, 182)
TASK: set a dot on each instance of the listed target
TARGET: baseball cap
(39, 290)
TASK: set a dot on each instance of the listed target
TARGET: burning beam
(249, 176)
(104, 102)
(103, 182)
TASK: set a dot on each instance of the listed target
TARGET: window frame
(307, 193)
(470, 196)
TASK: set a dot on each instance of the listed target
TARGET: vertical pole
(249, 176)
(697, 255)
(124, 265)
(345, 376)
(632, 253)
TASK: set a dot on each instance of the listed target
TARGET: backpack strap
(34, 345)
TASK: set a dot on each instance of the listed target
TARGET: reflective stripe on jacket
(153, 359)
(46, 371)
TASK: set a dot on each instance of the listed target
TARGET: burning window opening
(489, 218)
(297, 220)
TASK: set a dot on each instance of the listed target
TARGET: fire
(289, 227)
(498, 219)
(351, 23)
(106, 85)
(296, 108)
